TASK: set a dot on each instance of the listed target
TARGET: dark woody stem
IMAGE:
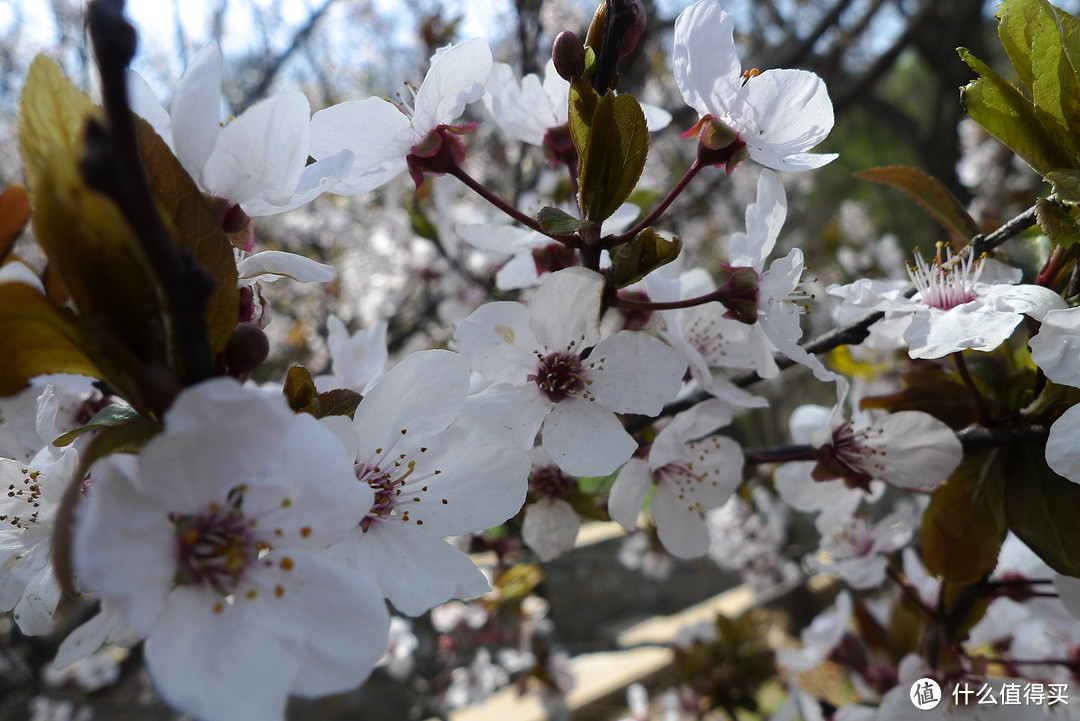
(648, 305)
(779, 454)
(620, 18)
(656, 212)
(982, 412)
(114, 167)
(458, 172)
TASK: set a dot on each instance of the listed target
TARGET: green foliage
(964, 525)
(303, 397)
(37, 337)
(123, 330)
(612, 141)
(195, 222)
(1007, 114)
(1040, 119)
(108, 417)
(1057, 223)
(559, 222)
(928, 192)
(1041, 508)
(632, 261)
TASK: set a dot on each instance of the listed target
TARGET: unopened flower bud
(739, 294)
(637, 30)
(568, 54)
(246, 348)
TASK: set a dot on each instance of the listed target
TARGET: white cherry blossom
(834, 503)
(356, 360)
(526, 110)
(210, 545)
(859, 550)
(819, 638)
(431, 478)
(777, 325)
(257, 160)
(780, 114)
(961, 303)
(548, 365)
(381, 134)
(1054, 350)
(702, 335)
(691, 476)
(551, 524)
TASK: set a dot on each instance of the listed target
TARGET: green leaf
(1058, 224)
(86, 239)
(964, 525)
(1066, 184)
(612, 141)
(583, 102)
(1055, 87)
(107, 417)
(928, 192)
(300, 392)
(559, 222)
(37, 337)
(338, 402)
(1013, 119)
(195, 220)
(1041, 508)
(1017, 34)
(632, 261)
(617, 148)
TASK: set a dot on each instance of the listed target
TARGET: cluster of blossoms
(254, 540)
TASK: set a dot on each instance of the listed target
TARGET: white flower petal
(376, 131)
(1061, 446)
(912, 450)
(974, 325)
(792, 113)
(523, 111)
(460, 466)
(218, 667)
(335, 622)
(629, 492)
(260, 155)
(550, 528)
(283, 264)
(196, 111)
(586, 439)
(145, 104)
(680, 528)
(635, 373)
(704, 62)
(764, 219)
(457, 77)
(566, 309)
(1056, 346)
(511, 412)
(421, 395)
(498, 342)
(417, 569)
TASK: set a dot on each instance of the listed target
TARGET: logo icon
(925, 694)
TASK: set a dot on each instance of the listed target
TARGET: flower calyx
(439, 152)
(739, 294)
(719, 144)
